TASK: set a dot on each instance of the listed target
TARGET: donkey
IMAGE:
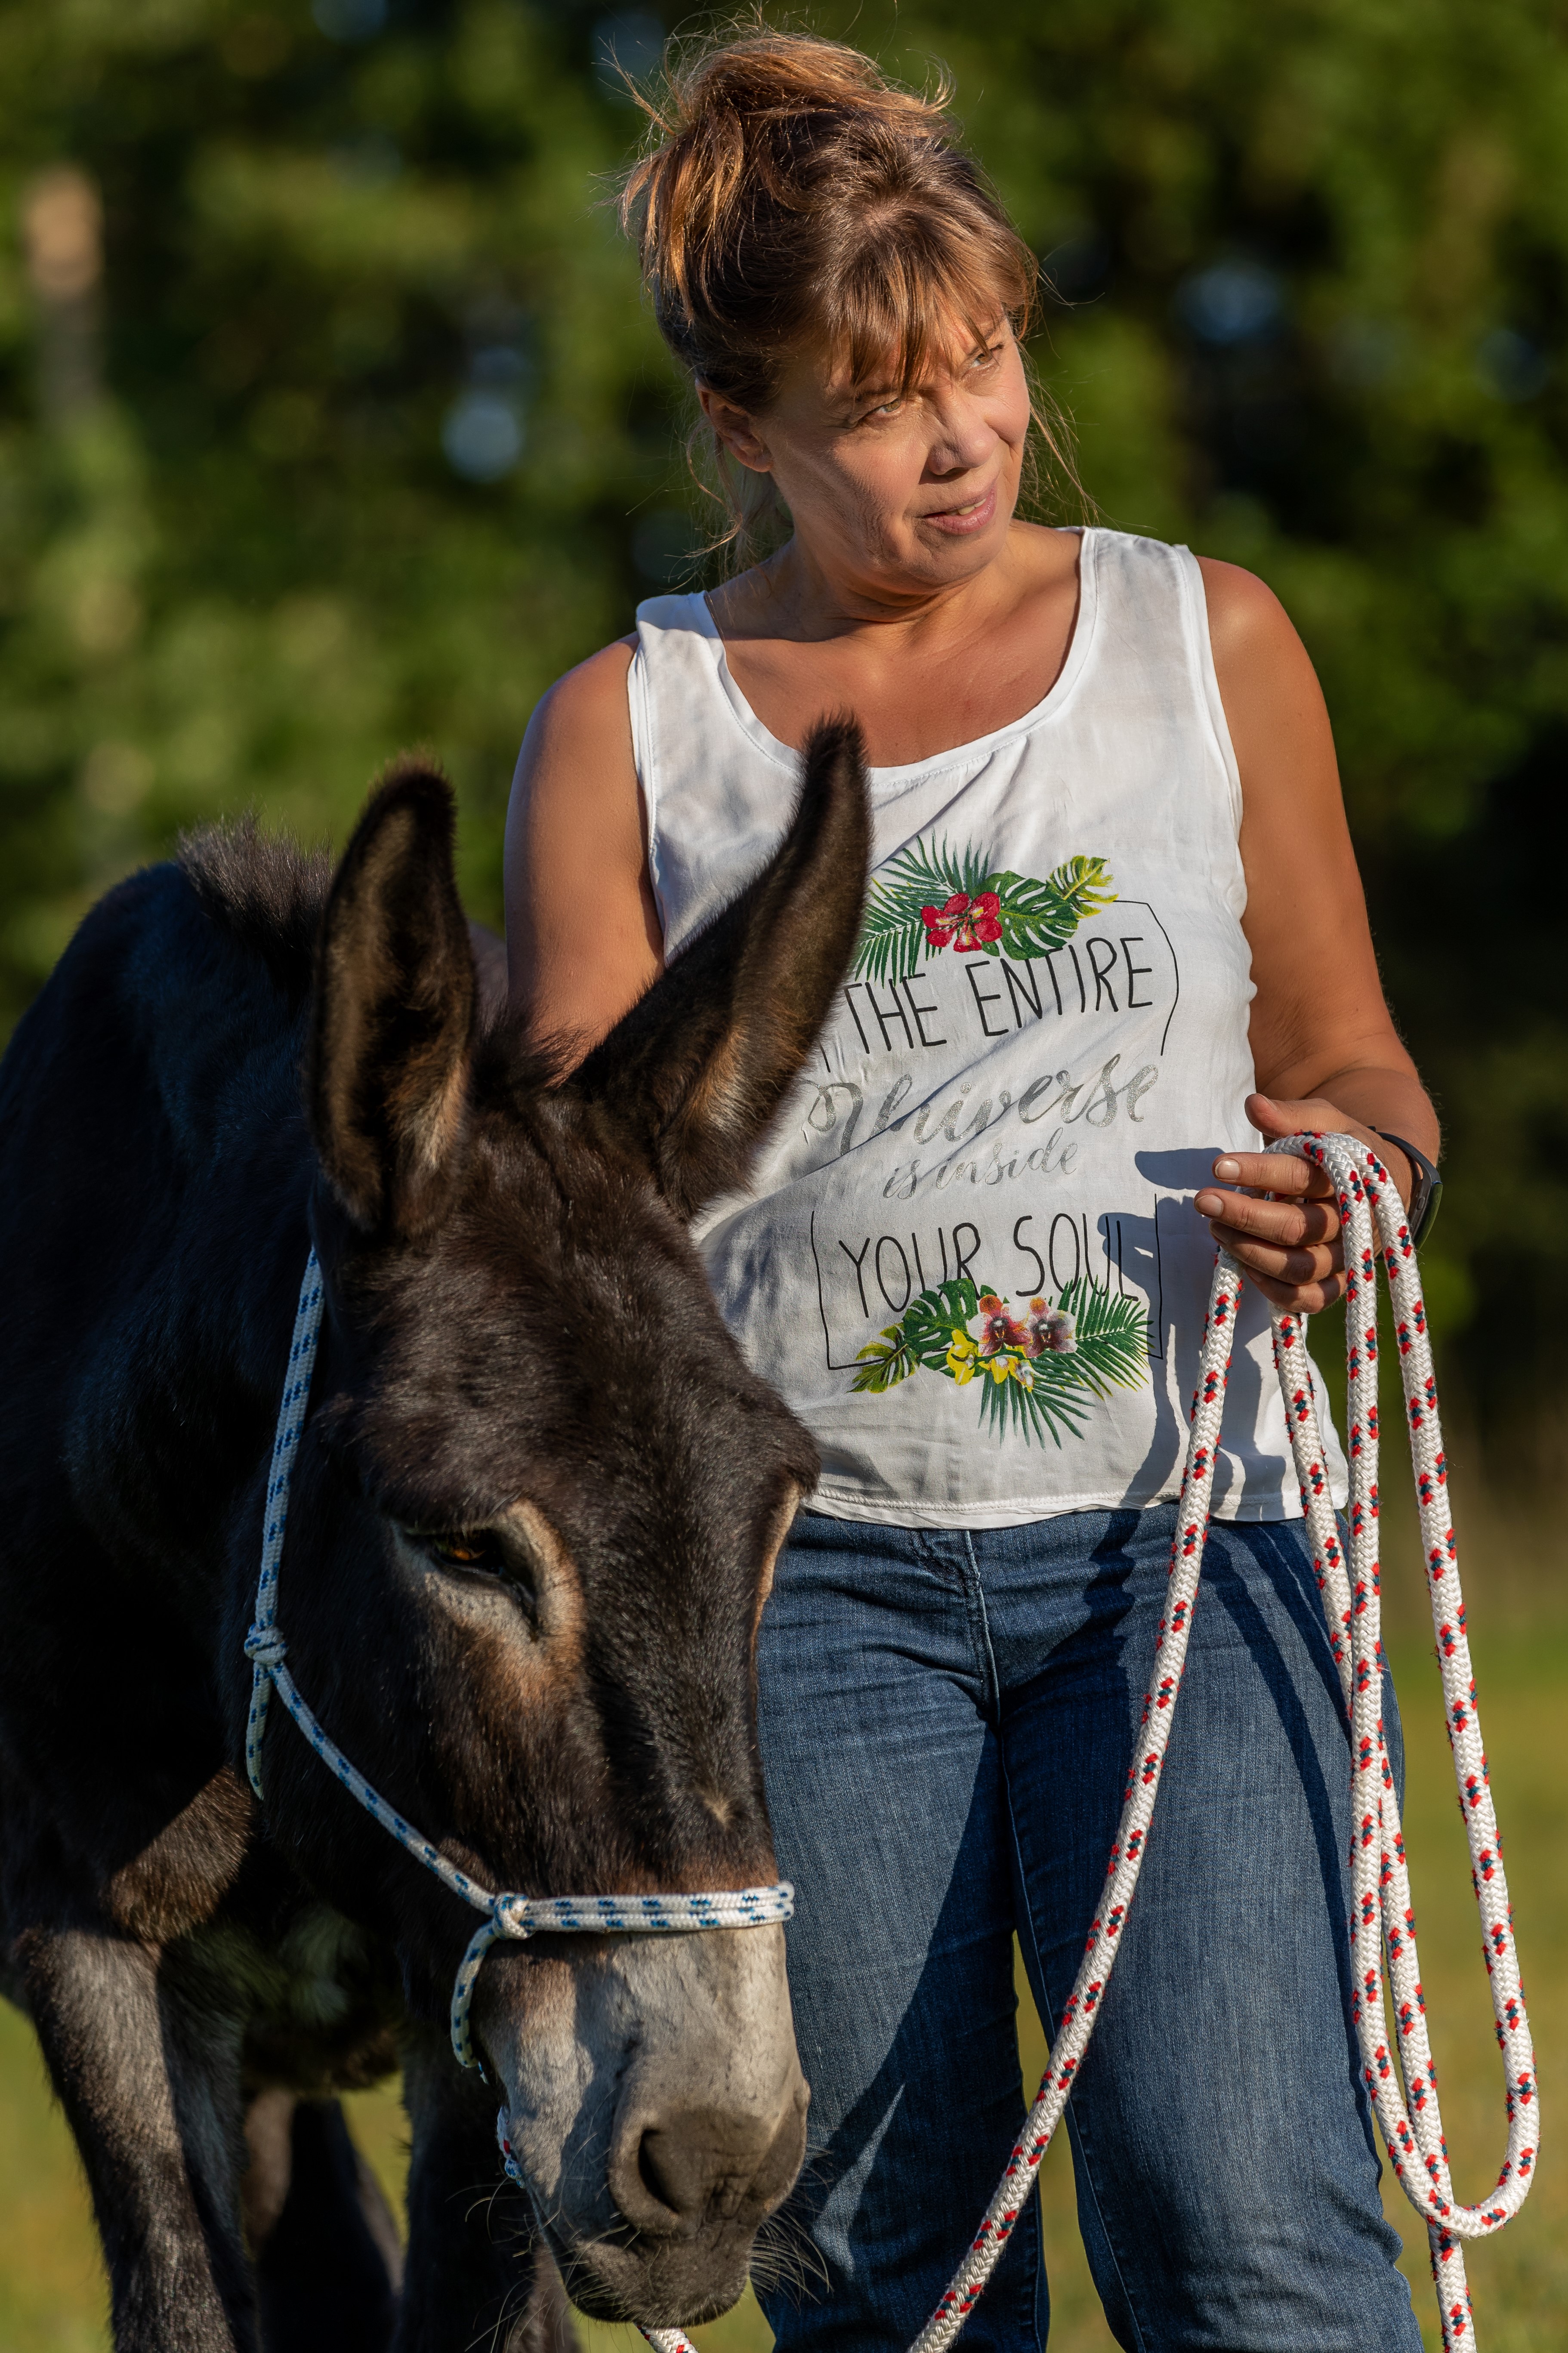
(535, 1510)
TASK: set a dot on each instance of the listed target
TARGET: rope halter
(509, 1917)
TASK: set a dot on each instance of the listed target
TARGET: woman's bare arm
(582, 933)
(1324, 1045)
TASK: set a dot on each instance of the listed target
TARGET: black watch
(1428, 1190)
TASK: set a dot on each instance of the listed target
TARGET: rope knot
(265, 1646)
(509, 1916)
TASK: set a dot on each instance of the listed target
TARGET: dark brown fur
(514, 1312)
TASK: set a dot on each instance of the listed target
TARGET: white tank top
(968, 1256)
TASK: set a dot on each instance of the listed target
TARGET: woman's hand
(1289, 1245)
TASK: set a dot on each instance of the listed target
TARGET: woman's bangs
(912, 306)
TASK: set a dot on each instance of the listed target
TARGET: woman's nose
(963, 438)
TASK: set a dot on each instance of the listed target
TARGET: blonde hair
(791, 196)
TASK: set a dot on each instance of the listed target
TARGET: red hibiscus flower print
(964, 923)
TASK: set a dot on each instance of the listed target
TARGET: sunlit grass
(51, 2294)
(52, 2298)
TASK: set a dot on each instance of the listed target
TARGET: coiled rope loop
(507, 1916)
(1397, 2067)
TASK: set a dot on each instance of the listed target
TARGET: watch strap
(1428, 1190)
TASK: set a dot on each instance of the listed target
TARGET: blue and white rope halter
(507, 1917)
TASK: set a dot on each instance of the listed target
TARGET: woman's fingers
(1274, 1172)
(1281, 1223)
(1285, 1235)
(1313, 1264)
(1303, 1281)
(1300, 1298)
(1290, 1249)
(1306, 1219)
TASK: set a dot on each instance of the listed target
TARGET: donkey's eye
(481, 1552)
(474, 1548)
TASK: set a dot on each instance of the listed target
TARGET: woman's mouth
(960, 521)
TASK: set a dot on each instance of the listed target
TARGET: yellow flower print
(1047, 1367)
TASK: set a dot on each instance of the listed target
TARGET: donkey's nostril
(666, 2171)
(667, 2193)
(681, 2169)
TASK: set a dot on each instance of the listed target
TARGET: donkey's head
(527, 1560)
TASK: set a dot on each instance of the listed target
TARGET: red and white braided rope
(1375, 1226)
(1397, 2067)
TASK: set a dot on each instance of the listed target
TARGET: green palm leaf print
(1112, 1352)
(923, 1337)
(986, 907)
(893, 934)
(1113, 1337)
(1047, 1395)
(1039, 916)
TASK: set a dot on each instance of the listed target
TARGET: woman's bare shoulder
(1266, 683)
(575, 835)
(576, 772)
(589, 698)
(1247, 620)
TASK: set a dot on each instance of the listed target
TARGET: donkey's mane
(266, 891)
(269, 894)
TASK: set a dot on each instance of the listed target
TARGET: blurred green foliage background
(330, 418)
(330, 421)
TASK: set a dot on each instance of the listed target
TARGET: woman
(1115, 929)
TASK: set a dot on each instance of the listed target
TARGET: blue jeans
(947, 1718)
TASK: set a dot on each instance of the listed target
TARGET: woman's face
(894, 492)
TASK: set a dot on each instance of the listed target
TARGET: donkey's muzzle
(678, 2171)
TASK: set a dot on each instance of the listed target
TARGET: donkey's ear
(695, 1070)
(393, 1021)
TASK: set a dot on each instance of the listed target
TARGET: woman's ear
(734, 429)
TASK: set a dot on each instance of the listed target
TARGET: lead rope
(507, 1916)
(1397, 2070)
